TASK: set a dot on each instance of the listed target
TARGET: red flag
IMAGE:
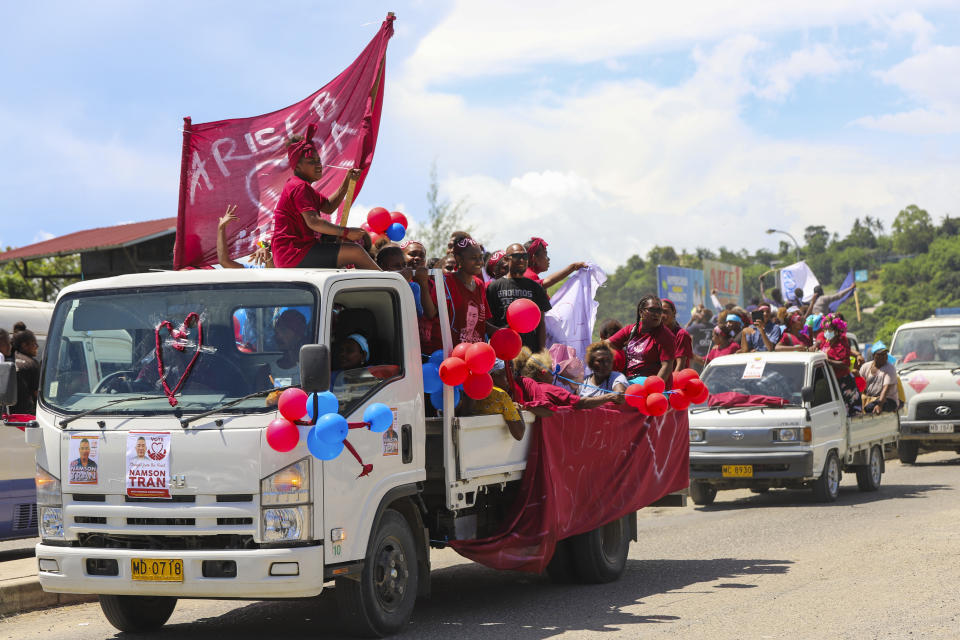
(243, 161)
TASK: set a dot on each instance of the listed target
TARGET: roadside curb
(23, 593)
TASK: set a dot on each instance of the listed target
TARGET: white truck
(807, 442)
(928, 361)
(228, 516)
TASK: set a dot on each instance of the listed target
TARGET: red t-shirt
(619, 360)
(684, 346)
(839, 351)
(468, 311)
(716, 352)
(646, 350)
(531, 393)
(791, 340)
(533, 275)
(292, 238)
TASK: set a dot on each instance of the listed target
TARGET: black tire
(826, 488)
(600, 556)
(908, 450)
(759, 489)
(136, 614)
(870, 474)
(561, 569)
(381, 602)
(702, 493)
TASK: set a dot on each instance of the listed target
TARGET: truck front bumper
(253, 572)
(920, 430)
(774, 465)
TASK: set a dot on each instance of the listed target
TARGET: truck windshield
(107, 346)
(778, 379)
(927, 344)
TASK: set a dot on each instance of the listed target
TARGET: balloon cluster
(650, 398)
(381, 222)
(328, 429)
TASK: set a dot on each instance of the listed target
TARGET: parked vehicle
(928, 361)
(34, 313)
(807, 442)
(237, 518)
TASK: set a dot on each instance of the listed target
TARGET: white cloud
(912, 25)
(41, 235)
(818, 60)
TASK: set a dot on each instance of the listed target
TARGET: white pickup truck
(808, 441)
(928, 361)
(228, 516)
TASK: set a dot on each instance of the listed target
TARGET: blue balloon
(431, 378)
(322, 449)
(436, 398)
(326, 403)
(437, 358)
(396, 232)
(331, 427)
(379, 416)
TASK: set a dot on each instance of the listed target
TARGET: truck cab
(928, 361)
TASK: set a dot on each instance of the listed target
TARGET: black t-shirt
(28, 382)
(502, 291)
(702, 336)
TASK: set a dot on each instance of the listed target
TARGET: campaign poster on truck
(684, 287)
(148, 464)
(726, 279)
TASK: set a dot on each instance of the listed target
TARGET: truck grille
(25, 516)
(166, 543)
(928, 410)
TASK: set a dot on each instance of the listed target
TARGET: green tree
(14, 285)
(816, 237)
(913, 230)
(443, 218)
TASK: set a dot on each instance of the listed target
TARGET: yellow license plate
(156, 570)
(737, 470)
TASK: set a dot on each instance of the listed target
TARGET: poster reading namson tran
(83, 459)
(148, 464)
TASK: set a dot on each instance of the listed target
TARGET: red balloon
(657, 404)
(506, 343)
(293, 404)
(636, 396)
(453, 371)
(693, 387)
(365, 227)
(700, 397)
(654, 384)
(460, 351)
(480, 358)
(379, 219)
(523, 315)
(282, 435)
(861, 383)
(478, 385)
(681, 378)
(396, 216)
(374, 237)
(679, 401)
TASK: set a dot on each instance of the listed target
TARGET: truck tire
(702, 493)
(907, 450)
(869, 475)
(135, 614)
(561, 569)
(381, 602)
(600, 556)
(826, 488)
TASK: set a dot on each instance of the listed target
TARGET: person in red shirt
(534, 388)
(724, 344)
(684, 344)
(414, 253)
(793, 339)
(297, 219)
(836, 346)
(539, 261)
(650, 348)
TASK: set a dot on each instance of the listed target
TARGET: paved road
(881, 565)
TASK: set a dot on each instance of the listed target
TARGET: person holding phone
(764, 334)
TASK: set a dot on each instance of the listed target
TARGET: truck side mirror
(807, 394)
(8, 384)
(314, 368)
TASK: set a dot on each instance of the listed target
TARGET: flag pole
(856, 300)
(178, 248)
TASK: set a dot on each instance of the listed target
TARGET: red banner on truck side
(243, 161)
(585, 469)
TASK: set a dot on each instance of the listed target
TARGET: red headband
(495, 257)
(303, 148)
(535, 245)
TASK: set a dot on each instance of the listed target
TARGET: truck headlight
(287, 524)
(51, 522)
(797, 434)
(290, 485)
(696, 435)
(48, 488)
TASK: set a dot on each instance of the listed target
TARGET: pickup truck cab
(928, 361)
(794, 432)
(228, 516)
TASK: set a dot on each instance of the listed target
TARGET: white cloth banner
(797, 275)
(574, 311)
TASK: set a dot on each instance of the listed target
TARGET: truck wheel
(759, 489)
(137, 613)
(826, 488)
(600, 556)
(561, 569)
(907, 450)
(381, 601)
(702, 493)
(869, 475)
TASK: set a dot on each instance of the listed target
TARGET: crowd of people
(21, 347)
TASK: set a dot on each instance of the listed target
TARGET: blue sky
(606, 128)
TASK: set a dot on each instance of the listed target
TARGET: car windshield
(777, 379)
(927, 344)
(128, 343)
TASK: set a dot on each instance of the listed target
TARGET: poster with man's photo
(148, 464)
(83, 459)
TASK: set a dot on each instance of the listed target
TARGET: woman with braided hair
(650, 348)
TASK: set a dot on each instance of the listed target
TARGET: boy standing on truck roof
(297, 220)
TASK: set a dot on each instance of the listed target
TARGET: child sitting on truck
(534, 390)
(500, 402)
